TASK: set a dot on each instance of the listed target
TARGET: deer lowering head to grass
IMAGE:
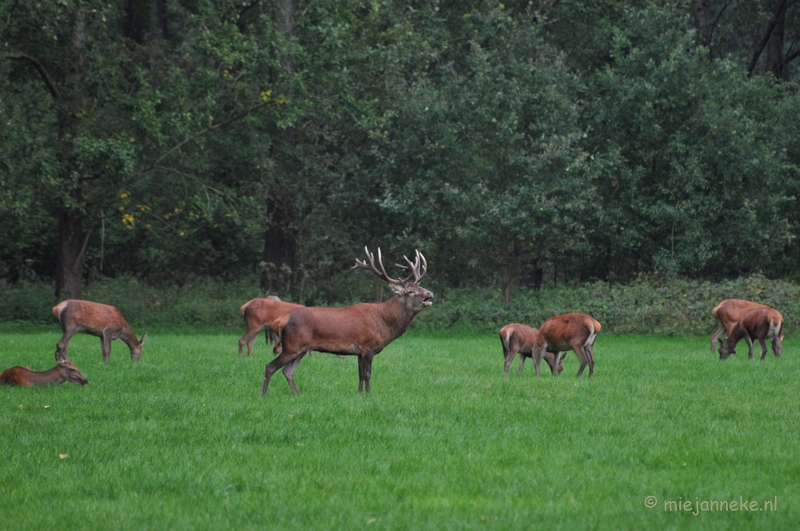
(761, 324)
(361, 330)
(728, 313)
(572, 331)
(100, 320)
(259, 314)
(520, 338)
(65, 371)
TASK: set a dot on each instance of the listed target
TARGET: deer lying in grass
(361, 330)
(101, 320)
(65, 371)
(761, 324)
(572, 331)
(520, 338)
(728, 313)
(259, 314)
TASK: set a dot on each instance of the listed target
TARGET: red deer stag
(761, 324)
(259, 314)
(65, 371)
(727, 314)
(361, 330)
(100, 320)
(571, 331)
(520, 338)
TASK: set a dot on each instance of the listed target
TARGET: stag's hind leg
(277, 363)
(288, 372)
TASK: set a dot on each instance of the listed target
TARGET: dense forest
(516, 144)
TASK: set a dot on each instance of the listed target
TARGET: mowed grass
(182, 439)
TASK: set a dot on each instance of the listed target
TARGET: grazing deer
(101, 320)
(571, 331)
(727, 314)
(519, 338)
(63, 372)
(760, 323)
(259, 314)
(361, 330)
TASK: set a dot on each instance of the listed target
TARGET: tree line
(522, 143)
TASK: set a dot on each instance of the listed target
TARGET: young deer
(571, 331)
(761, 324)
(519, 338)
(728, 313)
(100, 320)
(259, 314)
(65, 371)
(361, 330)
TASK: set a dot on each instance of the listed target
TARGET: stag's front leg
(521, 362)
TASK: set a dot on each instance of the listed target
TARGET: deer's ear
(141, 342)
(60, 355)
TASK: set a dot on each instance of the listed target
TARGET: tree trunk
(775, 45)
(280, 246)
(69, 255)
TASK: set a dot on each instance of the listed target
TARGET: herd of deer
(364, 330)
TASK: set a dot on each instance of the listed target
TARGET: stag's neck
(396, 316)
(53, 376)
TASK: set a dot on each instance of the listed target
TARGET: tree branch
(42, 72)
(197, 135)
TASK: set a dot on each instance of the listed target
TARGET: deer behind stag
(260, 314)
(361, 330)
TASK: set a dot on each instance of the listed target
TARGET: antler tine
(371, 266)
(415, 267)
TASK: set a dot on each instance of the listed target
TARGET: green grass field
(182, 440)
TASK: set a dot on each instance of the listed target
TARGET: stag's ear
(397, 288)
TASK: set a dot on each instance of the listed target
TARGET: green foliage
(182, 440)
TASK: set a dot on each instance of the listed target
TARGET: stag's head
(414, 297)
(69, 370)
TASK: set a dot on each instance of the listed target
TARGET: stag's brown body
(361, 330)
(571, 331)
(100, 320)
(728, 313)
(761, 324)
(260, 314)
(520, 338)
(65, 371)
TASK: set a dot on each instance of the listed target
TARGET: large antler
(361, 264)
(415, 267)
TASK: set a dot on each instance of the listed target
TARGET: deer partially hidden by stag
(571, 331)
(361, 330)
(728, 313)
(520, 338)
(260, 314)
(65, 371)
(100, 320)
